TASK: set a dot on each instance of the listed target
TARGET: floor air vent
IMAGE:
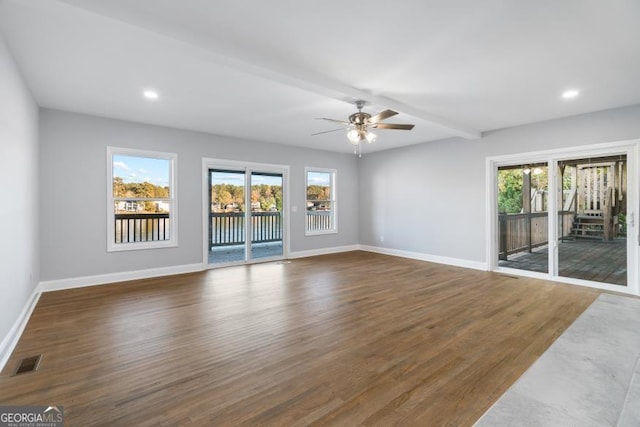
(29, 364)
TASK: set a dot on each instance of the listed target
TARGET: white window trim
(112, 246)
(334, 200)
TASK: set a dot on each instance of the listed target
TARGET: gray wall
(430, 198)
(73, 192)
(18, 192)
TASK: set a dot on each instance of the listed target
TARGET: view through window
(591, 218)
(523, 193)
(321, 201)
(238, 233)
(142, 199)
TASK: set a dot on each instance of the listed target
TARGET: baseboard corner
(10, 341)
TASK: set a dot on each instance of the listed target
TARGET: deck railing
(525, 231)
(319, 220)
(228, 228)
(141, 227)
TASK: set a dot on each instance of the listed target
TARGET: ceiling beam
(322, 85)
(290, 74)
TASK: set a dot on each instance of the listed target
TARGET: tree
(140, 190)
(318, 192)
(267, 196)
(510, 190)
(224, 198)
(119, 189)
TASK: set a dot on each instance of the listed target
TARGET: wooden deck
(596, 260)
(235, 253)
(346, 339)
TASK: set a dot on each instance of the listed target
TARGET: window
(141, 199)
(321, 201)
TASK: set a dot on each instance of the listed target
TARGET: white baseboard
(458, 262)
(475, 265)
(323, 251)
(11, 339)
(102, 279)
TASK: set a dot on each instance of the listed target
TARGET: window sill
(320, 233)
(120, 247)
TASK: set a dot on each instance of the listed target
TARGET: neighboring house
(138, 206)
(130, 206)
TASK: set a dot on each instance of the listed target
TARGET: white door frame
(552, 157)
(247, 168)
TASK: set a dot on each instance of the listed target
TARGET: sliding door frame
(552, 157)
(248, 168)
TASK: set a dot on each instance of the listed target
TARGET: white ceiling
(265, 70)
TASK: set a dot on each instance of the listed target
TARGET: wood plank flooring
(346, 339)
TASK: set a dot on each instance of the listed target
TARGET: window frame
(334, 200)
(172, 200)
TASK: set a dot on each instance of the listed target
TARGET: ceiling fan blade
(327, 131)
(333, 120)
(381, 116)
(392, 126)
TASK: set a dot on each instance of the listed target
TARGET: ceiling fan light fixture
(353, 136)
(359, 123)
(370, 137)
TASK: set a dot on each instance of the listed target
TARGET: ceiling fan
(360, 122)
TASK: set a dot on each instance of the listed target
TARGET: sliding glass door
(523, 192)
(246, 216)
(266, 215)
(587, 240)
(227, 231)
(592, 212)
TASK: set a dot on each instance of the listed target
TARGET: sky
(142, 169)
(237, 178)
(319, 178)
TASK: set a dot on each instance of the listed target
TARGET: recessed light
(571, 93)
(150, 94)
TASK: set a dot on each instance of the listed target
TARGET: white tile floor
(586, 377)
(630, 416)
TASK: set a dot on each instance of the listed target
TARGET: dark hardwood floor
(347, 339)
